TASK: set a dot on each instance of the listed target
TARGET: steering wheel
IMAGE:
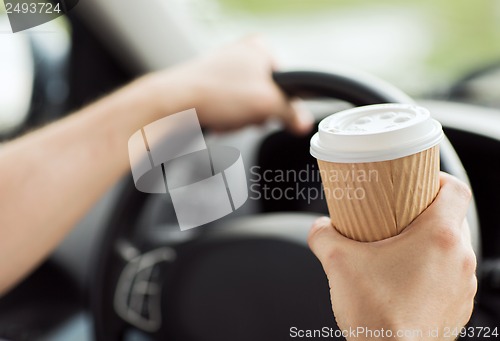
(247, 278)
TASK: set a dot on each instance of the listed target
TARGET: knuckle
(335, 255)
(474, 288)
(446, 237)
(335, 260)
(469, 263)
(462, 190)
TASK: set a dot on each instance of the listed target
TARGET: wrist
(167, 92)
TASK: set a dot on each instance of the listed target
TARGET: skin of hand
(51, 177)
(225, 102)
(422, 279)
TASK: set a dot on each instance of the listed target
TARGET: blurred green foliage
(466, 32)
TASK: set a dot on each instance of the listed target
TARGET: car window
(416, 44)
(24, 73)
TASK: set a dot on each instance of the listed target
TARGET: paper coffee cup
(379, 165)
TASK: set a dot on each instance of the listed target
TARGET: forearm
(51, 177)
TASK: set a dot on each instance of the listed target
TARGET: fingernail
(304, 123)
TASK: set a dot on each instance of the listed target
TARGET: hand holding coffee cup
(379, 165)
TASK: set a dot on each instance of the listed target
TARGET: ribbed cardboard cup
(379, 166)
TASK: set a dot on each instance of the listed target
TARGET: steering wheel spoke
(137, 297)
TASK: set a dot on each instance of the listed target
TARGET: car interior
(127, 272)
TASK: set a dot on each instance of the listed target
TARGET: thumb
(326, 242)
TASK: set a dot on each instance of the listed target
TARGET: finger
(297, 118)
(260, 44)
(325, 241)
(450, 206)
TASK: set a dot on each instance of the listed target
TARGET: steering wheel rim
(112, 257)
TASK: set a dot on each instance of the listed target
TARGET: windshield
(419, 45)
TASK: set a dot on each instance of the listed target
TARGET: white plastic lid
(375, 133)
